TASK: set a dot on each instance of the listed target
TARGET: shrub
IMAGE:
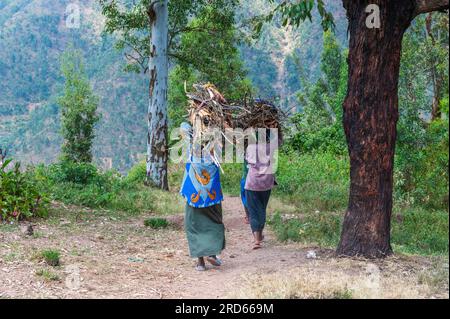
(313, 181)
(137, 174)
(51, 257)
(80, 183)
(327, 139)
(156, 223)
(78, 173)
(90, 195)
(231, 179)
(22, 194)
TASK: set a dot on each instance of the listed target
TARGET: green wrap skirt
(204, 230)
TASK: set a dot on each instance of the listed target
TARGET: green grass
(318, 228)
(231, 179)
(156, 223)
(47, 275)
(133, 199)
(51, 257)
(420, 231)
(416, 232)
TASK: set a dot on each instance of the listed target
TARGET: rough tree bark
(157, 145)
(370, 119)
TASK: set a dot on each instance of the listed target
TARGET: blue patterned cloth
(201, 185)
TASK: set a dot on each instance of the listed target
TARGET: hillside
(34, 34)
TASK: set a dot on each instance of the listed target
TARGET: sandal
(214, 261)
(257, 245)
(200, 267)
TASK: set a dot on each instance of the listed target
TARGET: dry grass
(349, 278)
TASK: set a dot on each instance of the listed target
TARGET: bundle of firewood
(257, 113)
(208, 108)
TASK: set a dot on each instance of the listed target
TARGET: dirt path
(124, 259)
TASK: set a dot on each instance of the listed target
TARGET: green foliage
(180, 79)
(231, 179)
(332, 61)
(211, 51)
(319, 228)
(419, 231)
(137, 174)
(130, 22)
(79, 183)
(156, 223)
(51, 257)
(431, 176)
(313, 181)
(78, 173)
(414, 231)
(422, 146)
(22, 194)
(294, 13)
(201, 59)
(319, 126)
(329, 138)
(78, 110)
(83, 184)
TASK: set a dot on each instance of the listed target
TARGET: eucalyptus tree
(150, 32)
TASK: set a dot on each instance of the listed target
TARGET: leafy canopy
(129, 20)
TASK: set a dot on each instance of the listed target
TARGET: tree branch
(425, 6)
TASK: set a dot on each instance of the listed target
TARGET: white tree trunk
(157, 146)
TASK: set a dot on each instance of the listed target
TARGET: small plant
(51, 257)
(47, 275)
(342, 294)
(22, 193)
(156, 223)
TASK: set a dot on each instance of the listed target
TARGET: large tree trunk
(370, 119)
(157, 146)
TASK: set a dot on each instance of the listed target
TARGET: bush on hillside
(22, 193)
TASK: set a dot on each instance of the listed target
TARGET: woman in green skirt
(204, 226)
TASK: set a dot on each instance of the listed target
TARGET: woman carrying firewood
(259, 183)
(202, 190)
